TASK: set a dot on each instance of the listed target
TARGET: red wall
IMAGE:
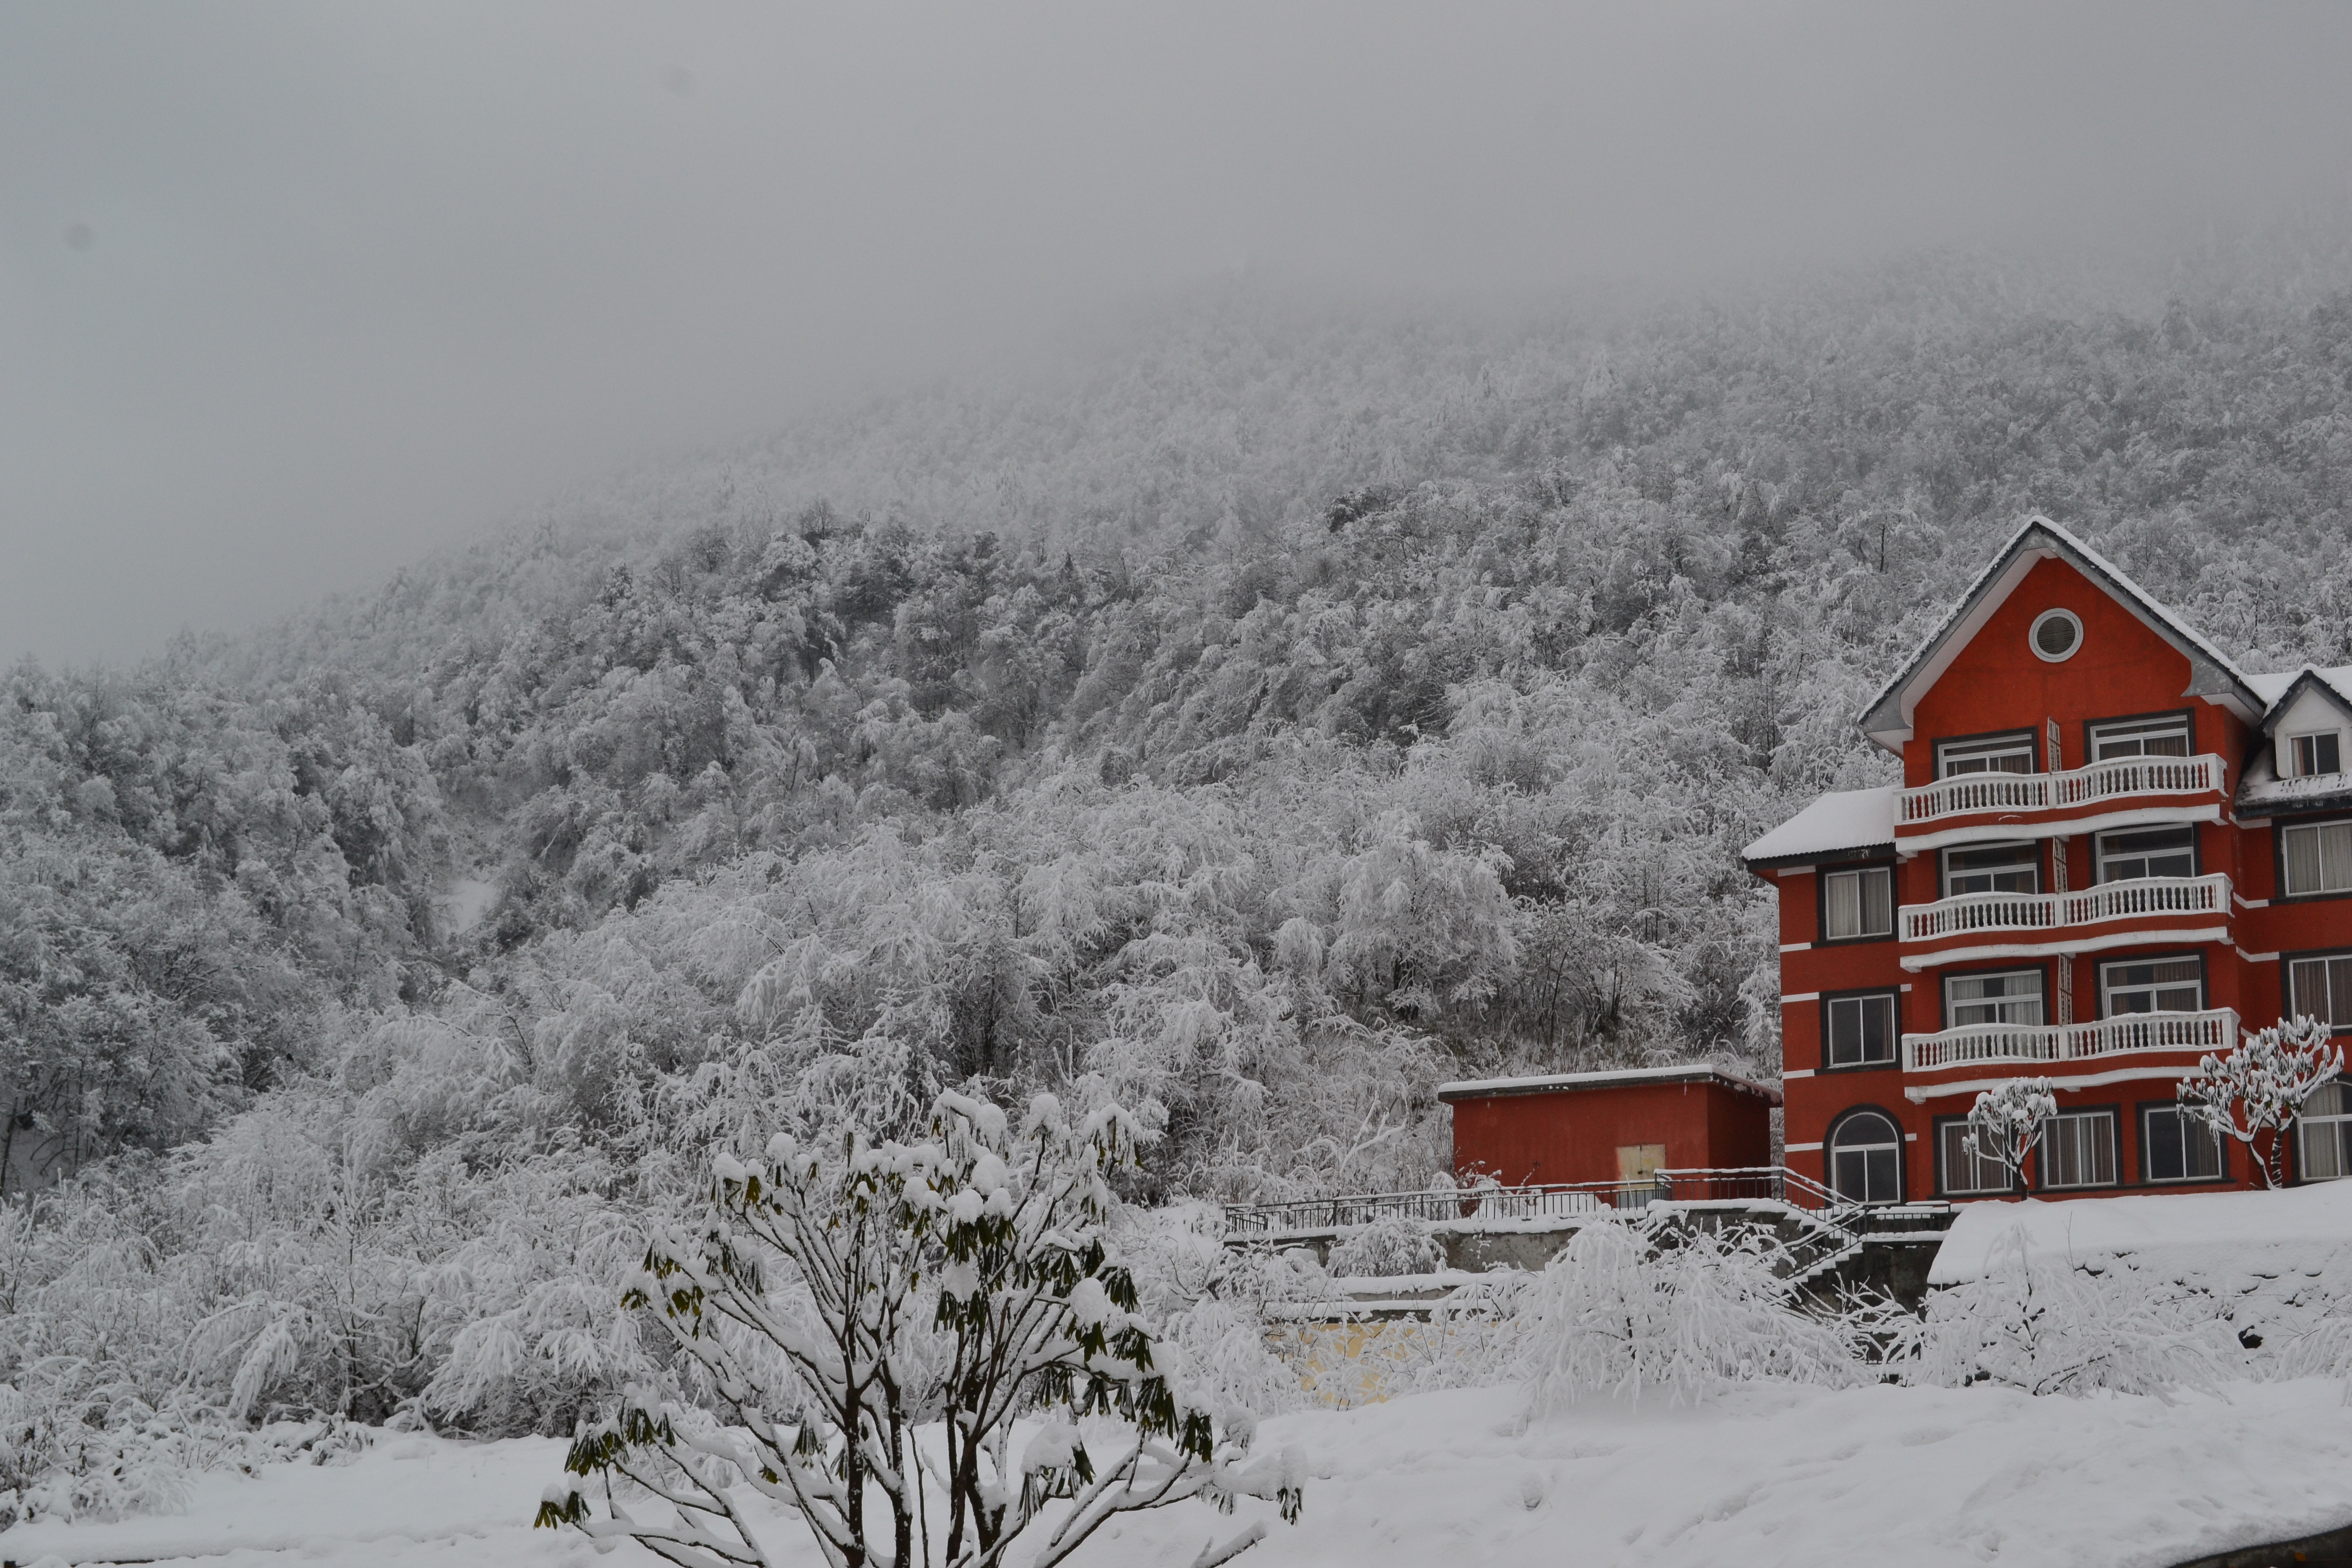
(1997, 684)
(1573, 1135)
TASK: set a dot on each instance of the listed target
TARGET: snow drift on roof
(1693, 1072)
(1840, 821)
(2270, 687)
(2293, 1228)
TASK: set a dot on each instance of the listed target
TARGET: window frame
(1940, 1125)
(2041, 865)
(1895, 1035)
(2033, 739)
(2279, 829)
(2033, 634)
(2294, 749)
(2302, 1174)
(1945, 976)
(2287, 960)
(2104, 963)
(2091, 728)
(1821, 937)
(2141, 1113)
(1902, 1152)
(2113, 1113)
(2196, 846)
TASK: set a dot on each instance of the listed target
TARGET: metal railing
(1971, 793)
(2215, 1030)
(1543, 1201)
(2131, 900)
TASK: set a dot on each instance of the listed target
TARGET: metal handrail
(2132, 898)
(2213, 1029)
(1971, 793)
(1540, 1200)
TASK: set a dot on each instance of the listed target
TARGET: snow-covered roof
(2277, 689)
(1887, 719)
(1843, 823)
(2241, 1233)
(1547, 1083)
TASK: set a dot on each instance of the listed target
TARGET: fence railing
(1541, 1201)
(2131, 900)
(1972, 793)
(2214, 1029)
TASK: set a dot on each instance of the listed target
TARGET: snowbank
(2297, 1230)
(1771, 1475)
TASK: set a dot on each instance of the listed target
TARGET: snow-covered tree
(836, 1298)
(2254, 1091)
(2006, 1122)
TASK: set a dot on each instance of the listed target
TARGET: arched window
(1866, 1158)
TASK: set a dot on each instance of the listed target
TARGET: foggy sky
(291, 295)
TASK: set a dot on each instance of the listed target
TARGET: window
(1861, 1030)
(2149, 852)
(1856, 904)
(2317, 754)
(2175, 1146)
(2078, 1150)
(2158, 986)
(2011, 998)
(2056, 635)
(2318, 858)
(2165, 737)
(1992, 868)
(2322, 987)
(1866, 1158)
(1998, 754)
(1964, 1172)
(2324, 1132)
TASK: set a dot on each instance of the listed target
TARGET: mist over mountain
(1269, 711)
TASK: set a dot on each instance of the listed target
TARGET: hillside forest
(1266, 714)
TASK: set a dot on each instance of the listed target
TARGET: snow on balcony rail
(1973, 793)
(2215, 1030)
(2132, 900)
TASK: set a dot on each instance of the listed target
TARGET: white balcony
(2080, 800)
(2007, 1044)
(2137, 899)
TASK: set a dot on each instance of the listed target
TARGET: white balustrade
(2215, 1030)
(2131, 900)
(1972, 793)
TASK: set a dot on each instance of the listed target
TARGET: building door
(1638, 1165)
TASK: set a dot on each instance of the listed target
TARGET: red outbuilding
(1600, 1127)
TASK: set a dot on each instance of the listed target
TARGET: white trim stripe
(1801, 997)
(1800, 1148)
(2086, 1081)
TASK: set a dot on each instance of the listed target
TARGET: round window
(2056, 635)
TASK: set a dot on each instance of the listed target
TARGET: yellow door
(1640, 1162)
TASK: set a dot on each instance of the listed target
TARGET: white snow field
(1772, 1474)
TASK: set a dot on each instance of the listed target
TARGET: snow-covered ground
(1771, 1475)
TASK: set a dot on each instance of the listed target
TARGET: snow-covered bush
(2006, 1122)
(837, 1295)
(1628, 1308)
(2252, 1092)
(1390, 1244)
(2058, 1327)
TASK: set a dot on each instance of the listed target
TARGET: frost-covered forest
(1272, 713)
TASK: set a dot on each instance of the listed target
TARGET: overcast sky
(290, 295)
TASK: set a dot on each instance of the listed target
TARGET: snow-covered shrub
(837, 1295)
(1390, 1244)
(1626, 1309)
(2252, 1092)
(2006, 1122)
(2059, 1327)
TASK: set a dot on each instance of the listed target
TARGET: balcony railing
(1970, 794)
(2133, 899)
(2215, 1030)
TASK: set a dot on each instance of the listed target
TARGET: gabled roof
(2212, 675)
(2336, 685)
(1847, 824)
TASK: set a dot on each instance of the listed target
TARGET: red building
(2111, 852)
(1608, 1127)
